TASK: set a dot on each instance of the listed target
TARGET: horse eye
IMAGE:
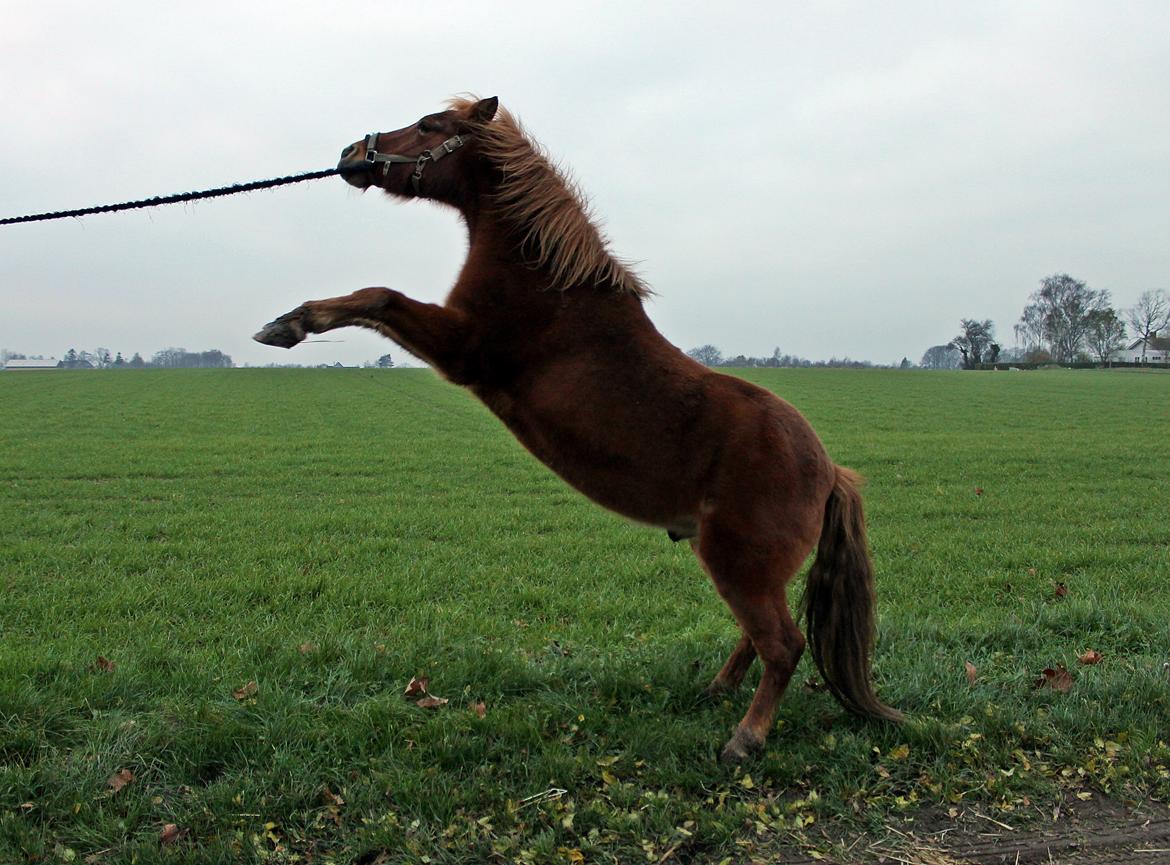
(423, 128)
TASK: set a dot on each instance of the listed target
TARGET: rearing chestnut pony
(547, 328)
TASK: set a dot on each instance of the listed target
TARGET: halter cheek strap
(433, 155)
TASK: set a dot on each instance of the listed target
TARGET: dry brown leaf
(416, 687)
(978, 491)
(972, 672)
(246, 691)
(1058, 679)
(170, 834)
(1061, 590)
(479, 708)
(307, 648)
(103, 664)
(430, 702)
(1090, 657)
(332, 798)
(1031, 572)
(119, 780)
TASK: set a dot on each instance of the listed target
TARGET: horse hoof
(740, 747)
(284, 332)
(717, 690)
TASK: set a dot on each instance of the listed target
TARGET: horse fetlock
(283, 332)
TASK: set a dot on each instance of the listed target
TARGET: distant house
(1156, 350)
(44, 363)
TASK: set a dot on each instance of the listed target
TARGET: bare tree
(1058, 315)
(1149, 316)
(940, 357)
(708, 355)
(974, 340)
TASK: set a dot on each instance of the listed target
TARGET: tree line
(167, 358)
(1064, 321)
(709, 355)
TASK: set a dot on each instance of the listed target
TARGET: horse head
(420, 159)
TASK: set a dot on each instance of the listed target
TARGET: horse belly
(634, 459)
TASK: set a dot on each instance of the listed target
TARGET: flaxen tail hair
(838, 604)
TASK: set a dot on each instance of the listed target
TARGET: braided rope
(173, 199)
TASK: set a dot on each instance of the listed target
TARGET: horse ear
(485, 110)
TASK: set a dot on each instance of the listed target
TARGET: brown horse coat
(548, 329)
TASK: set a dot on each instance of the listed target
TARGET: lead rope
(173, 199)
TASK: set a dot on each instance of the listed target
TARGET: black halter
(434, 155)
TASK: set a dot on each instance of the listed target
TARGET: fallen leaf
(248, 690)
(416, 687)
(1090, 657)
(900, 753)
(430, 702)
(972, 672)
(307, 648)
(333, 803)
(978, 491)
(27, 806)
(1031, 572)
(1061, 590)
(1058, 679)
(103, 664)
(479, 708)
(119, 780)
(170, 834)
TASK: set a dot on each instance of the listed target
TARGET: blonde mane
(548, 208)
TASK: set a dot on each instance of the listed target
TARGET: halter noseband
(434, 155)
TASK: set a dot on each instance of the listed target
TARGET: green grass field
(328, 535)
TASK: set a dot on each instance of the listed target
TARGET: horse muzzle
(354, 170)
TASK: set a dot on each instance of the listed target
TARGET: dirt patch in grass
(1097, 831)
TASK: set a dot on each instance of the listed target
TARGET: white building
(48, 363)
(1156, 349)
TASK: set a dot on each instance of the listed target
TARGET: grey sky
(830, 178)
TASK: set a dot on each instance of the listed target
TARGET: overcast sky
(833, 178)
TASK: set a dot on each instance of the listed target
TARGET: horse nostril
(349, 151)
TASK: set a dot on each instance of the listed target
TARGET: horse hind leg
(752, 583)
(731, 676)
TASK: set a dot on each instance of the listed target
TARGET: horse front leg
(436, 334)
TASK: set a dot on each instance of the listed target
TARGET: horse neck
(501, 287)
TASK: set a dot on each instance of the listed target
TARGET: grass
(329, 535)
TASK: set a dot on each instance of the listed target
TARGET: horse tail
(838, 604)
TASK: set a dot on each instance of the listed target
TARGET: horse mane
(548, 207)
